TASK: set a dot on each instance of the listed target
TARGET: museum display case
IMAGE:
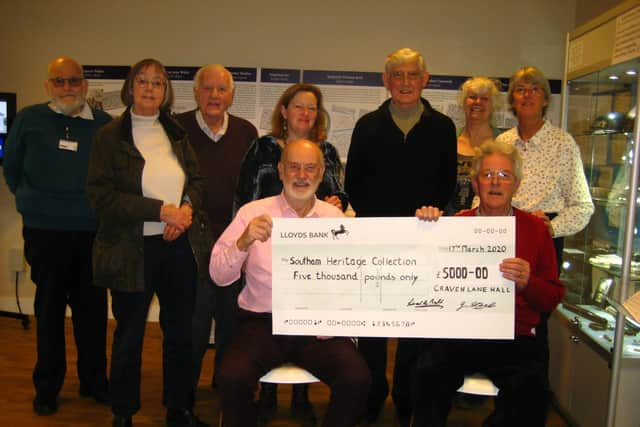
(601, 112)
(594, 341)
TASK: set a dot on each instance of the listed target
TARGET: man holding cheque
(516, 367)
(246, 246)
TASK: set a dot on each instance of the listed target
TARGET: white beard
(68, 107)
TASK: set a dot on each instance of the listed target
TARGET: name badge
(65, 144)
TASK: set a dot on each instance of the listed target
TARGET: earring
(285, 128)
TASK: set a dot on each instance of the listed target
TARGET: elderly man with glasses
(402, 156)
(45, 166)
(516, 367)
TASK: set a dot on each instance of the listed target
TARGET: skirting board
(9, 304)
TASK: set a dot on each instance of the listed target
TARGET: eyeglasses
(500, 175)
(409, 75)
(155, 83)
(60, 81)
(297, 167)
(534, 90)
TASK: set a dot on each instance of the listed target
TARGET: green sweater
(48, 181)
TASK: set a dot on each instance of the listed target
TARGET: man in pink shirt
(245, 246)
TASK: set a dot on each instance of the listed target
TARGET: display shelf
(603, 338)
(600, 114)
(601, 264)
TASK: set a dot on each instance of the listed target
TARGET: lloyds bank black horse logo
(336, 232)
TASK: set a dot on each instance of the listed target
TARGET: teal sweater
(49, 182)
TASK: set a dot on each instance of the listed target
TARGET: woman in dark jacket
(299, 114)
(144, 185)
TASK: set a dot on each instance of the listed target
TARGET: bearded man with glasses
(45, 165)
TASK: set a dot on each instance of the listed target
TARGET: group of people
(182, 206)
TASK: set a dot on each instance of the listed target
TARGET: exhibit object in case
(594, 343)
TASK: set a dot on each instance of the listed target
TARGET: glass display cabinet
(594, 344)
(601, 112)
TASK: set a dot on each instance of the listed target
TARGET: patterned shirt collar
(536, 140)
(215, 137)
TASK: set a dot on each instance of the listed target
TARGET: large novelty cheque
(393, 277)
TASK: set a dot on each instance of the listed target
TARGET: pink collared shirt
(227, 261)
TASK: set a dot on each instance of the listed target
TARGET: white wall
(463, 37)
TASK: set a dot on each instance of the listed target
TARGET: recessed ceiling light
(613, 77)
(631, 72)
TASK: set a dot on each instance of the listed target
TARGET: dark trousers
(542, 330)
(374, 352)
(211, 302)
(515, 367)
(255, 350)
(61, 269)
(203, 311)
(169, 272)
(407, 353)
(226, 315)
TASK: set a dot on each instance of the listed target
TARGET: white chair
(478, 384)
(287, 373)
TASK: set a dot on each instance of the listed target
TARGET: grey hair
(497, 147)
(211, 67)
(402, 56)
(531, 75)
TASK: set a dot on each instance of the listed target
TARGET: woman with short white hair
(479, 98)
